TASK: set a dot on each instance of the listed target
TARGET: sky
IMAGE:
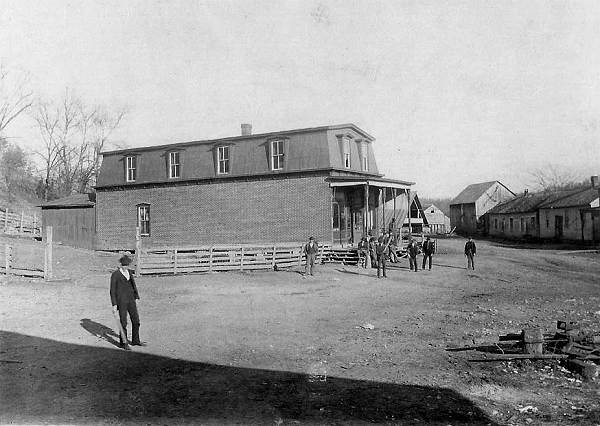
(455, 92)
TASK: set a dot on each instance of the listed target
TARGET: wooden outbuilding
(73, 220)
(468, 208)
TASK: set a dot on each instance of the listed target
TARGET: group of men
(124, 293)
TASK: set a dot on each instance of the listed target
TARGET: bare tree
(73, 134)
(15, 96)
(554, 177)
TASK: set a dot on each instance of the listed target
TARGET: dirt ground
(342, 347)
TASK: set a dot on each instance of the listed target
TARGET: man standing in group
(311, 249)
(381, 252)
(470, 251)
(123, 296)
(413, 251)
(428, 250)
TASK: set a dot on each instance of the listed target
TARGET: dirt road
(275, 348)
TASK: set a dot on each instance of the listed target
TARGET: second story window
(131, 168)
(346, 152)
(223, 160)
(277, 155)
(174, 165)
(365, 157)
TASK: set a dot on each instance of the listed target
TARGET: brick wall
(227, 212)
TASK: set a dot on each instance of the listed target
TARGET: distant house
(398, 210)
(254, 188)
(73, 220)
(439, 223)
(560, 215)
(516, 218)
(574, 216)
(468, 208)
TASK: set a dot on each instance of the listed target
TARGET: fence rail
(234, 258)
(20, 223)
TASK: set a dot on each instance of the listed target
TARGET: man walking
(428, 250)
(381, 252)
(123, 296)
(470, 251)
(413, 251)
(311, 249)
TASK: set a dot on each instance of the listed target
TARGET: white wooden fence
(23, 260)
(20, 223)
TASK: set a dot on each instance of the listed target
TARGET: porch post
(384, 192)
(366, 208)
(409, 204)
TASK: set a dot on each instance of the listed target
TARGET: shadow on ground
(58, 382)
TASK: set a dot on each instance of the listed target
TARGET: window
(174, 165)
(432, 211)
(532, 223)
(277, 155)
(364, 156)
(495, 223)
(346, 152)
(511, 223)
(223, 160)
(143, 219)
(547, 223)
(131, 168)
(522, 224)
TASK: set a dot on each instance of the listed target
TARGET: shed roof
(74, 200)
(577, 198)
(474, 191)
(520, 204)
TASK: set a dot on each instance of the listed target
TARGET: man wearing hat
(310, 250)
(123, 294)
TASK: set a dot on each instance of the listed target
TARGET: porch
(363, 207)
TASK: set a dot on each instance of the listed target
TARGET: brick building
(254, 188)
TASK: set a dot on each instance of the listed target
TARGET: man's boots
(135, 335)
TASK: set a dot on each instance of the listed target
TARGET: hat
(311, 238)
(125, 260)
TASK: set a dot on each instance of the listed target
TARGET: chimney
(594, 180)
(246, 129)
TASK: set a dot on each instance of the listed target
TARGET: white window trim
(172, 164)
(219, 159)
(139, 219)
(346, 153)
(131, 158)
(280, 154)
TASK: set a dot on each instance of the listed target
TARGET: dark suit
(428, 249)
(123, 294)
(380, 250)
(311, 252)
(470, 250)
(413, 250)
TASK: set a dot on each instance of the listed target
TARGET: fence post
(33, 227)
(48, 254)
(21, 223)
(300, 256)
(210, 259)
(242, 259)
(8, 258)
(273, 259)
(138, 252)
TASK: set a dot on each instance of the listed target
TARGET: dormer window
(346, 152)
(277, 155)
(223, 157)
(364, 156)
(174, 165)
(130, 168)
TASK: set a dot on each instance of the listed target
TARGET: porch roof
(336, 181)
